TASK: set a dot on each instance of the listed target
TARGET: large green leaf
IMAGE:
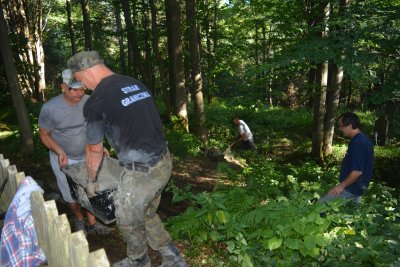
(274, 243)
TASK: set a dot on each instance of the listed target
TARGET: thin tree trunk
(197, 93)
(177, 74)
(256, 59)
(71, 28)
(117, 11)
(333, 94)
(133, 49)
(15, 90)
(86, 25)
(320, 96)
(319, 113)
(210, 62)
(215, 26)
(160, 62)
(40, 82)
(148, 60)
(332, 103)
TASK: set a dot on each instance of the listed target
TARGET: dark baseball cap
(84, 60)
(68, 79)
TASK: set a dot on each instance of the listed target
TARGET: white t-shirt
(244, 129)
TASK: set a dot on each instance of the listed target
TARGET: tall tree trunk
(256, 59)
(210, 62)
(133, 48)
(15, 90)
(197, 93)
(320, 96)
(40, 83)
(177, 74)
(117, 11)
(86, 25)
(319, 113)
(333, 94)
(148, 72)
(332, 103)
(160, 62)
(71, 28)
(215, 26)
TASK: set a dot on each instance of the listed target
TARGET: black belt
(143, 167)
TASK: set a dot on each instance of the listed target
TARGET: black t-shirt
(122, 109)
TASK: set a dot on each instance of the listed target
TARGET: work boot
(171, 256)
(79, 225)
(128, 262)
(99, 229)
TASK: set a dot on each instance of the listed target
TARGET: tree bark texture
(194, 50)
(333, 94)
(133, 48)
(86, 25)
(160, 62)
(15, 90)
(175, 52)
(148, 72)
(71, 28)
(117, 11)
(332, 104)
(320, 95)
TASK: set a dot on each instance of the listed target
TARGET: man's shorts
(61, 178)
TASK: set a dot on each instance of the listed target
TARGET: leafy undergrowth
(275, 219)
(270, 214)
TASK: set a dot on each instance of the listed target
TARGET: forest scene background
(287, 68)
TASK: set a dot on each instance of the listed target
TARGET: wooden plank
(98, 258)
(19, 177)
(11, 187)
(62, 231)
(38, 214)
(44, 214)
(4, 165)
(51, 214)
(78, 250)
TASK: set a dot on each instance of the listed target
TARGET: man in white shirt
(245, 135)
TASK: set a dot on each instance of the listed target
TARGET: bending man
(122, 109)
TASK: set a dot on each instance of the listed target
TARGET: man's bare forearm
(94, 156)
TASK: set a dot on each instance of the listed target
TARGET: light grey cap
(68, 79)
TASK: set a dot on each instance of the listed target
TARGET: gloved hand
(92, 188)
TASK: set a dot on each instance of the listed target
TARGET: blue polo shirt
(359, 157)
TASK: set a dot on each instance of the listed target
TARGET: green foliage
(272, 216)
(267, 229)
(182, 143)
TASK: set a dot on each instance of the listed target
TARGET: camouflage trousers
(136, 202)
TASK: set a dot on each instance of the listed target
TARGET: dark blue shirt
(359, 157)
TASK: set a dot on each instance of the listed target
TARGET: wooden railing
(61, 247)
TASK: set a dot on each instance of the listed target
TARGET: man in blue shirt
(357, 166)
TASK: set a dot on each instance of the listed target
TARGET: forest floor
(198, 172)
